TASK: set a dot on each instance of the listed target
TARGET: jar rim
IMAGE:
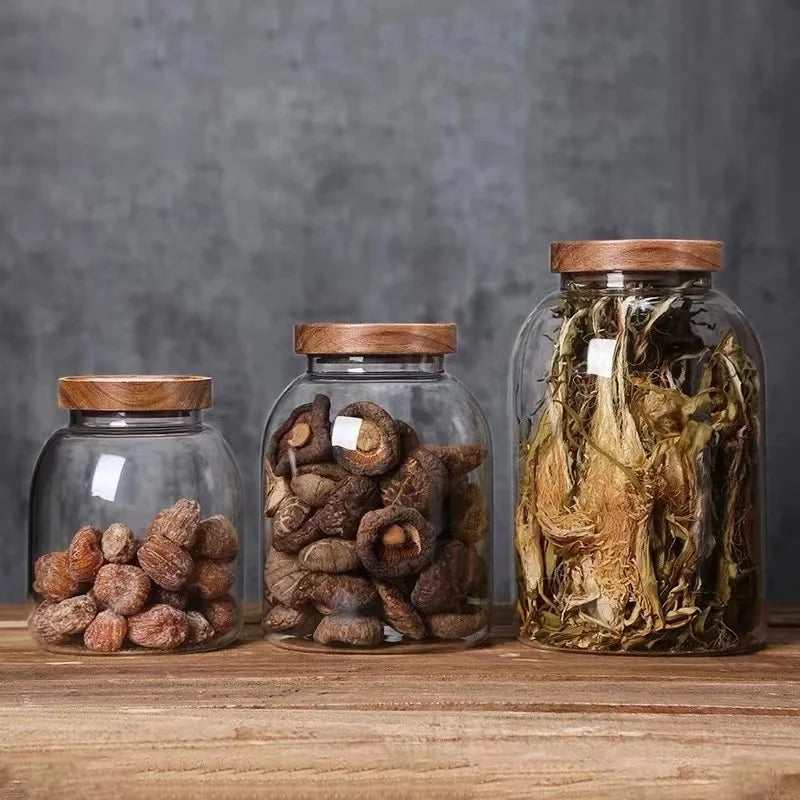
(375, 338)
(134, 392)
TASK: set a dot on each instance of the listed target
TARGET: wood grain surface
(499, 721)
(134, 392)
(384, 338)
(641, 255)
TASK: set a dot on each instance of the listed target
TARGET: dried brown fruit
(211, 579)
(200, 629)
(457, 626)
(217, 539)
(341, 515)
(52, 577)
(469, 520)
(377, 447)
(123, 588)
(459, 459)
(356, 631)
(223, 614)
(282, 619)
(85, 555)
(165, 562)
(399, 612)
(420, 482)
(106, 632)
(329, 555)
(305, 436)
(277, 489)
(313, 489)
(160, 627)
(282, 576)
(56, 622)
(177, 523)
(394, 542)
(119, 545)
(443, 585)
(334, 592)
(159, 595)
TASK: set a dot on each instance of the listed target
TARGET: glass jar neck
(655, 281)
(134, 421)
(355, 366)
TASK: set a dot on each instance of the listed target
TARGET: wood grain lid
(134, 392)
(636, 255)
(380, 338)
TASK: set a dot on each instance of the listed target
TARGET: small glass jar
(637, 405)
(135, 510)
(377, 496)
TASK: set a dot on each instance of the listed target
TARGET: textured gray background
(180, 182)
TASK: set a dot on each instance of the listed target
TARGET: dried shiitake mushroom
(420, 482)
(457, 626)
(330, 555)
(342, 513)
(313, 489)
(407, 437)
(356, 631)
(282, 576)
(377, 446)
(277, 490)
(399, 612)
(304, 437)
(459, 459)
(334, 592)
(469, 521)
(288, 531)
(395, 541)
(283, 619)
(443, 585)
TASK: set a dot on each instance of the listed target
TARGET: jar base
(289, 642)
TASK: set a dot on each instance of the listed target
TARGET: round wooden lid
(134, 392)
(380, 338)
(636, 255)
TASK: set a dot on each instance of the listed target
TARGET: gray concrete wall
(180, 182)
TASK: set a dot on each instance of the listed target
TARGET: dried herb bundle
(637, 524)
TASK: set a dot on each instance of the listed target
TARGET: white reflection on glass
(106, 476)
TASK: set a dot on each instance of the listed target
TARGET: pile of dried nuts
(169, 591)
(371, 528)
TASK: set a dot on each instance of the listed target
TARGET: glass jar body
(637, 413)
(109, 572)
(334, 577)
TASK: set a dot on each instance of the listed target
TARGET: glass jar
(637, 405)
(134, 511)
(377, 496)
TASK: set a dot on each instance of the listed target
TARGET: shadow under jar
(377, 496)
(134, 518)
(637, 400)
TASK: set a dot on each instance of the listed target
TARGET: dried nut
(177, 523)
(334, 592)
(459, 459)
(216, 538)
(398, 611)
(408, 438)
(222, 614)
(160, 627)
(304, 437)
(329, 555)
(287, 534)
(377, 447)
(165, 562)
(313, 489)
(357, 631)
(85, 555)
(341, 515)
(200, 629)
(443, 585)
(122, 588)
(159, 595)
(394, 542)
(281, 618)
(106, 632)
(469, 521)
(119, 545)
(211, 579)
(419, 482)
(52, 577)
(55, 622)
(457, 626)
(277, 490)
(282, 576)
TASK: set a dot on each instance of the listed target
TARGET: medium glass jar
(637, 405)
(135, 510)
(377, 496)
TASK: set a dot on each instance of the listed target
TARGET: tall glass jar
(135, 510)
(637, 405)
(377, 495)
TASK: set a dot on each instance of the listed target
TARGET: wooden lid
(636, 255)
(381, 338)
(134, 392)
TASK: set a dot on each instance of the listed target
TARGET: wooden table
(499, 721)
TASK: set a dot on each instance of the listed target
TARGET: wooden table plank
(501, 721)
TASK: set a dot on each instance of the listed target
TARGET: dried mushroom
(334, 592)
(289, 531)
(420, 482)
(277, 490)
(394, 542)
(283, 619)
(342, 629)
(313, 489)
(282, 576)
(304, 438)
(443, 585)
(457, 626)
(399, 612)
(330, 555)
(376, 448)
(469, 520)
(408, 438)
(459, 459)
(342, 513)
